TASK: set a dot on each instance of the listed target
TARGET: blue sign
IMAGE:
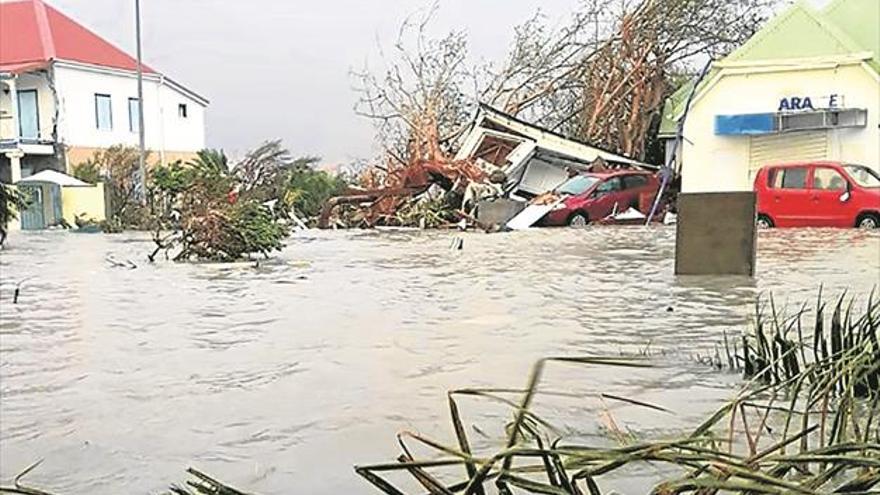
(745, 125)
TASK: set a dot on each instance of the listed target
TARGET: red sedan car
(594, 196)
(818, 194)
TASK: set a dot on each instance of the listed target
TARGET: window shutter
(786, 147)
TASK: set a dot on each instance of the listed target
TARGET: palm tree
(211, 161)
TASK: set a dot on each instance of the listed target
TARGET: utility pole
(142, 168)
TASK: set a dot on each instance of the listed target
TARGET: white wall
(181, 134)
(721, 163)
(164, 129)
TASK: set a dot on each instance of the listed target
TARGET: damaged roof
(551, 140)
(33, 34)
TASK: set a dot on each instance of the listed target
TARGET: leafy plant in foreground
(806, 422)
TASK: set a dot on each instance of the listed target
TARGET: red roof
(33, 34)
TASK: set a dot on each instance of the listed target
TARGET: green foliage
(11, 200)
(119, 167)
(229, 233)
(218, 211)
(88, 171)
(427, 213)
(307, 189)
(211, 161)
(215, 211)
(171, 179)
(253, 229)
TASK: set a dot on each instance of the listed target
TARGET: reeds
(805, 422)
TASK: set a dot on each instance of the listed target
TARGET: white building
(65, 93)
(804, 88)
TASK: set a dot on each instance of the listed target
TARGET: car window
(634, 181)
(789, 178)
(828, 179)
(610, 185)
(578, 184)
(863, 176)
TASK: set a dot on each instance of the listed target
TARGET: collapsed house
(534, 160)
(499, 156)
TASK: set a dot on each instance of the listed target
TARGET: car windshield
(577, 185)
(863, 176)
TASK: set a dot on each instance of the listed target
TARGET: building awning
(53, 177)
(774, 123)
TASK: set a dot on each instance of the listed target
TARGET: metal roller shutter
(786, 147)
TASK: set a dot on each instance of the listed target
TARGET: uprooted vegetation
(212, 210)
(601, 78)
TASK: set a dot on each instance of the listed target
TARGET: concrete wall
(76, 155)
(165, 130)
(721, 163)
(87, 201)
(716, 234)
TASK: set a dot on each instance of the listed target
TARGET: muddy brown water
(279, 378)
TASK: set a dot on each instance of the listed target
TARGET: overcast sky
(280, 68)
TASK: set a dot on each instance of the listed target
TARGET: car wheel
(578, 220)
(764, 222)
(869, 222)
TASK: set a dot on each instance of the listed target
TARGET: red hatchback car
(818, 194)
(594, 196)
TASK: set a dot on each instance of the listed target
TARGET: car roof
(803, 164)
(616, 173)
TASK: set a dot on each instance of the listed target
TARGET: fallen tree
(600, 78)
(216, 211)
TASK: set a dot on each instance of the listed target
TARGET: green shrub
(11, 200)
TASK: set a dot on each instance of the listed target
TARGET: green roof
(673, 107)
(860, 20)
(843, 27)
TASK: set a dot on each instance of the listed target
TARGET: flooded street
(279, 378)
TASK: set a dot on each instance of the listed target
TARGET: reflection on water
(279, 378)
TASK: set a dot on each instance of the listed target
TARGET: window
(610, 185)
(28, 114)
(103, 112)
(134, 115)
(789, 178)
(181, 110)
(828, 179)
(634, 181)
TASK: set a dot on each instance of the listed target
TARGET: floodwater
(279, 378)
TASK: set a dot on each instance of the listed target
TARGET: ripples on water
(279, 378)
